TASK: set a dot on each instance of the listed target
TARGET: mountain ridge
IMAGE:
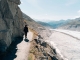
(70, 24)
(53, 24)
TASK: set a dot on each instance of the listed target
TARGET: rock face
(11, 22)
(40, 50)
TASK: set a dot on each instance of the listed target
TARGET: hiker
(26, 31)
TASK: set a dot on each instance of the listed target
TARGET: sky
(48, 10)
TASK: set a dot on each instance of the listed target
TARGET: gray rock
(15, 1)
(11, 22)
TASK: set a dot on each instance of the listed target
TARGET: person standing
(25, 31)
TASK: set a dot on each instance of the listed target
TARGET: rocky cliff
(11, 22)
(41, 50)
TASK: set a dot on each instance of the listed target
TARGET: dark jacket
(25, 29)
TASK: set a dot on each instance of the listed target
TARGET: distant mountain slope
(72, 25)
(36, 26)
(56, 24)
(53, 24)
(45, 24)
(31, 23)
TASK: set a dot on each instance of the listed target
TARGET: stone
(11, 23)
(15, 1)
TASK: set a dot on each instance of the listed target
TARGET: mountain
(54, 24)
(72, 25)
(36, 26)
(45, 24)
(11, 23)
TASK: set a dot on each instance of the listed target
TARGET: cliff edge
(11, 22)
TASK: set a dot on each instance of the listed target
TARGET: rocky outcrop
(11, 22)
(41, 50)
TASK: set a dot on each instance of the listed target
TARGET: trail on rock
(19, 49)
(23, 48)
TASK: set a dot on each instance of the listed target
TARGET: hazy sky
(51, 9)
